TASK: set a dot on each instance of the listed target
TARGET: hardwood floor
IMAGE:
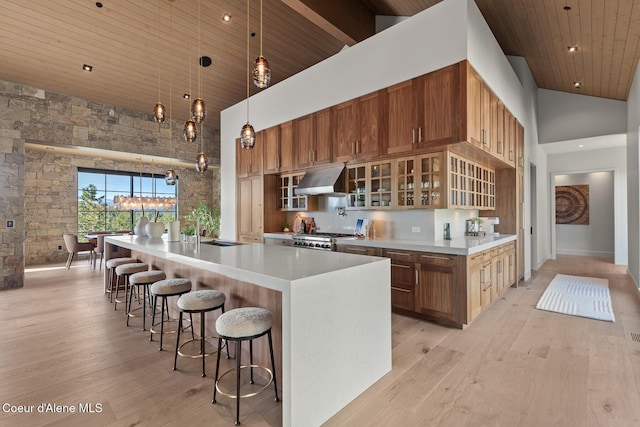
(63, 343)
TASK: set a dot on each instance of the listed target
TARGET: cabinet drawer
(399, 255)
(436, 259)
(360, 250)
(403, 274)
(486, 255)
(474, 259)
(402, 298)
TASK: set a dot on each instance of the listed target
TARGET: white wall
(596, 238)
(633, 122)
(612, 159)
(564, 116)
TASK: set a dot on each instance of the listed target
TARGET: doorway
(534, 215)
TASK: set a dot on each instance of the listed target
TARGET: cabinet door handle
(397, 253)
(278, 162)
(419, 134)
(310, 156)
(482, 276)
(500, 147)
(510, 155)
(353, 147)
(436, 257)
(413, 135)
(400, 289)
(358, 147)
(401, 266)
(313, 155)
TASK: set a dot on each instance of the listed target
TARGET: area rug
(578, 296)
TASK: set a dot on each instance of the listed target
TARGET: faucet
(198, 237)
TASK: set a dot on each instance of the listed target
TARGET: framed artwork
(572, 204)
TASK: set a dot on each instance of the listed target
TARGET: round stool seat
(170, 287)
(244, 322)
(114, 262)
(146, 277)
(131, 268)
(202, 300)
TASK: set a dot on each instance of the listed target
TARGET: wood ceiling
(44, 44)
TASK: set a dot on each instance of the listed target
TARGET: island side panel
(239, 294)
(340, 339)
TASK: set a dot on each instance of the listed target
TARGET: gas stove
(318, 241)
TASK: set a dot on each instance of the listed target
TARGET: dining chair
(74, 247)
(99, 250)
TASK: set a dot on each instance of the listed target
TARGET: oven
(318, 241)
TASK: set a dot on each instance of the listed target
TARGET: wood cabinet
(289, 200)
(438, 290)
(403, 278)
(278, 148)
(470, 185)
(370, 185)
(356, 128)
(359, 250)
(249, 212)
(249, 161)
(313, 139)
(423, 113)
(418, 181)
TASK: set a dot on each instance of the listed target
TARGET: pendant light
(247, 134)
(170, 175)
(198, 108)
(261, 70)
(159, 110)
(202, 162)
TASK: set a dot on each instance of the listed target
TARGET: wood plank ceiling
(44, 44)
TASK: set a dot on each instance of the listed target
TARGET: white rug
(578, 296)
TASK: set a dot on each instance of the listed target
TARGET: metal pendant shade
(159, 113)
(261, 72)
(190, 131)
(247, 136)
(170, 177)
(198, 110)
(202, 162)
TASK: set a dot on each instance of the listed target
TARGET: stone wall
(38, 188)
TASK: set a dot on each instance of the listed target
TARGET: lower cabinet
(450, 289)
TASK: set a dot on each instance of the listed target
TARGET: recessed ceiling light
(567, 8)
(226, 17)
(205, 61)
(87, 67)
(572, 48)
(98, 5)
(577, 84)
(580, 145)
(186, 96)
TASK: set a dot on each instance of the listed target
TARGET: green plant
(209, 219)
(285, 225)
(476, 220)
(189, 230)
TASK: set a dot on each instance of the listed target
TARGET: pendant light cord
(158, 41)
(248, 63)
(170, 81)
(199, 56)
(260, 27)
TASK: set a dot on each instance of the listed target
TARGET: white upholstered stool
(244, 324)
(200, 301)
(164, 289)
(126, 270)
(143, 279)
(111, 274)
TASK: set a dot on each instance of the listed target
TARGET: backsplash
(415, 224)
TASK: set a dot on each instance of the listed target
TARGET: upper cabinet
(357, 125)
(249, 161)
(313, 139)
(278, 148)
(423, 113)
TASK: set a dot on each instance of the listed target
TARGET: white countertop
(272, 266)
(457, 246)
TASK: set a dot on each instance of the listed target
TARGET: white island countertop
(336, 315)
(467, 245)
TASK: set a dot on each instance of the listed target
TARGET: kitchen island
(332, 316)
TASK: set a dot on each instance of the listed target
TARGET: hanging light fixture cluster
(247, 134)
(261, 70)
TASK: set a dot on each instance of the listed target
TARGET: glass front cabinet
(370, 185)
(418, 181)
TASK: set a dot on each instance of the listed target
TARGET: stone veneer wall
(38, 188)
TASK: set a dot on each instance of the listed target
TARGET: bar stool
(111, 265)
(164, 289)
(244, 324)
(126, 270)
(144, 279)
(200, 301)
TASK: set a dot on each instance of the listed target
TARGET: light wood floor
(62, 343)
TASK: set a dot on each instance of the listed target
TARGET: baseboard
(599, 254)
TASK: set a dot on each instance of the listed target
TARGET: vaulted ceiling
(139, 49)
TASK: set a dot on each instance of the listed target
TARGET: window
(97, 188)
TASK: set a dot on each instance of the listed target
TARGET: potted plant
(189, 233)
(286, 227)
(473, 224)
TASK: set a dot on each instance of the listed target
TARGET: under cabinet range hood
(327, 181)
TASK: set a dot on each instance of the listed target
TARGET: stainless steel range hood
(327, 181)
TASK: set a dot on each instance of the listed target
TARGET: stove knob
(326, 246)
(318, 245)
